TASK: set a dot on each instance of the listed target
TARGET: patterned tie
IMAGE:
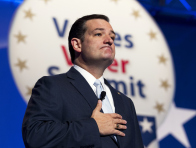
(105, 103)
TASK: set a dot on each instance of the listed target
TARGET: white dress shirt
(91, 79)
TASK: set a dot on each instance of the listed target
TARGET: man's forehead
(98, 23)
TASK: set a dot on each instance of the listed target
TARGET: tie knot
(99, 87)
(97, 83)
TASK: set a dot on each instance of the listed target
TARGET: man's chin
(108, 55)
(108, 61)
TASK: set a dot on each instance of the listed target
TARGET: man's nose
(108, 40)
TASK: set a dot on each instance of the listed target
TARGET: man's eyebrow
(101, 29)
(113, 32)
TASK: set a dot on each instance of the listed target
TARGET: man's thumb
(99, 105)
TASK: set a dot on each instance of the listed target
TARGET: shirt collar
(88, 77)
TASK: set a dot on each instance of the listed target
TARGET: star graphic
(174, 122)
(152, 35)
(146, 126)
(29, 14)
(21, 64)
(115, 1)
(29, 90)
(162, 59)
(46, 1)
(20, 37)
(165, 84)
(136, 14)
(159, 107)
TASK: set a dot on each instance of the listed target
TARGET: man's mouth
(109, 47)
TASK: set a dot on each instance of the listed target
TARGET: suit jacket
(59, 115)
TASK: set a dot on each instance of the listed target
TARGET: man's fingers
(117, 132)
(115, 115)
(120, 121)
(120, 126)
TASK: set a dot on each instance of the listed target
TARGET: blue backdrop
(181, 37)
(180, 34)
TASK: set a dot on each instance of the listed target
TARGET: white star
(173, 124)
(146, 126)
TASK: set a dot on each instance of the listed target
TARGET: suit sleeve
(42, 125)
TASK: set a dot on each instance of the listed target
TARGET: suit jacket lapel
(79, 82)
(118, 105)
(117, 99)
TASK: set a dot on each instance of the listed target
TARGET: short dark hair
(78, 30)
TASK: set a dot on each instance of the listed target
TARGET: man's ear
(76, 44)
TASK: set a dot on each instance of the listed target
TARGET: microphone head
(102, 96)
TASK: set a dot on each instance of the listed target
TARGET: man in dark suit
(64, 110)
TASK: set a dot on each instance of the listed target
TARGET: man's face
(98, 45)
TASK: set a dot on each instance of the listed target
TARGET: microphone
(102, 96)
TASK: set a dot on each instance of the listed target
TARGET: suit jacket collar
(79, 82)
(117, 98)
